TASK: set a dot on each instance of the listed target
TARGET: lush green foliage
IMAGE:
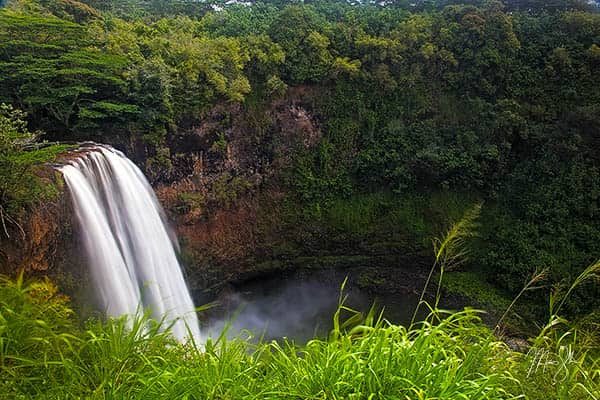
(413, 98)
(19, 154)
(44, 354)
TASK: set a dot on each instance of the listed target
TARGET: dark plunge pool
(299, 305)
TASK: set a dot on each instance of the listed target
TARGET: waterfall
(130, 247)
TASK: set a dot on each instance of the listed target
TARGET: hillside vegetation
(422, 109)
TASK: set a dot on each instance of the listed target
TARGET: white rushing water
(130, 247)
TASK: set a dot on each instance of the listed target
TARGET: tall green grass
(45, 354)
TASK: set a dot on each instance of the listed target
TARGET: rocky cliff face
(41, 241)
(223, 191)
(34, 245)
(222, 185)
(227, 197)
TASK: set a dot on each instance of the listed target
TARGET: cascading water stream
(129, 245)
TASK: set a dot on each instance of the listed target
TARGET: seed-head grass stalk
(560, 359)
(450, 251)
(558, 297)
(536, 277)
(561, 293)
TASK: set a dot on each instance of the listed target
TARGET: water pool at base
(298, 306)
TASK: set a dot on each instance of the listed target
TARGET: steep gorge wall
(42, 241)
(228, 195)
(225, 191)
(223, 185)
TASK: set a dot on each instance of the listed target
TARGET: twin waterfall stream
(131, 249)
